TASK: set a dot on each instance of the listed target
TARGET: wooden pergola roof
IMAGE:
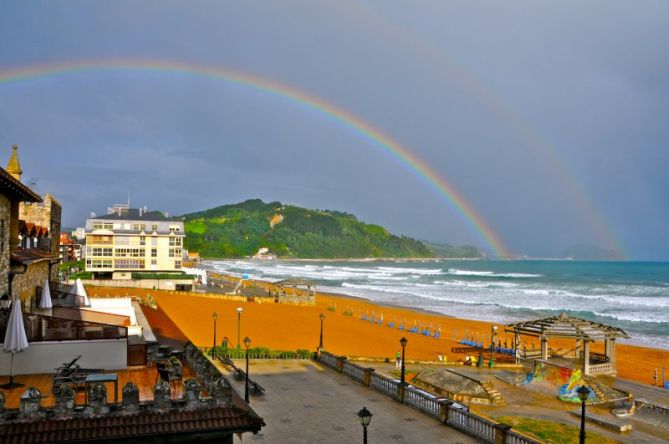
(565, 326)
(295, 283)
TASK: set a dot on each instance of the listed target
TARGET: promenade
(306, 402)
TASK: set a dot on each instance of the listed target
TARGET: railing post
(340, 363)
(500, 433)
(444, 405)
(401, 390)
(367, 376)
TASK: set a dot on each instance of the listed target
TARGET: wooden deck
(143, 377)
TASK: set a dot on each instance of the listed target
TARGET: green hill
(241, 229)
(453, 251)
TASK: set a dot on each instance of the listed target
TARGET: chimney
(13, 166)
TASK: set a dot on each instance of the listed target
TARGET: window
(122, 240)
(103, 226)
(130, 252)
(154, 261)
(99, 263)
(174, 228)
(173, 241)
(99, 251)
(177, 264)
(129, 263)
(139, 227)
(154, 227)
(171, 254)
(154, 252)
(142, 240)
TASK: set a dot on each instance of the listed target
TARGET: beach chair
(401, 327)
(363, 318)
(437, 334)
(391, 324)
(380, 322)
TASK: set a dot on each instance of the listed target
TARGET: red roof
(123, 426)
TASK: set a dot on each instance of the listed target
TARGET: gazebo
(582, 331)
(295, 288)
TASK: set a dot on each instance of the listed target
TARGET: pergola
(581, 330)
(296, 283)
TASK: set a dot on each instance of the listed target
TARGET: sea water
(633, 296)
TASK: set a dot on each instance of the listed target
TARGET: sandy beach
(292, 327)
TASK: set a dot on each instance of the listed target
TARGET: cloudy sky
(550, 120)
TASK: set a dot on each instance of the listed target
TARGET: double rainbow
(373, 136)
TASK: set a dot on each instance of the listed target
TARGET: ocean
(631, 295)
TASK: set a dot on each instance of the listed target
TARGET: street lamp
(583, 393)
(247, 343)
(320, 344)
(239, 322)
(403, 343)
(214, 316)
(365, 417)
(492, 345)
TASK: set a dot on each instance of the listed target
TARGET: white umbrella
(45, 302)
(15, 339)
(78, 296)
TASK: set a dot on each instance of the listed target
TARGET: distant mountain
(452, 251)
(240, 230)
(590, 252)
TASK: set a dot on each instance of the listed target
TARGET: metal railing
(41, 328)
(425, 404)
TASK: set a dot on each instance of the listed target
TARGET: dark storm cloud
(589, 80)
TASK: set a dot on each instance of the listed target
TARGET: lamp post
(365, 417)
(583, 393)
(320, 343)
(239, 323)
(493, 333)
(214, 316)
(403, 343)
(247, 343)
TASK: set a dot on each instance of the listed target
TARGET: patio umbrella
(79, 296)
(15, 339)
(45, 302)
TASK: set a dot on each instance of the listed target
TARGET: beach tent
(45, 302)
(79, 297)
(15, 339)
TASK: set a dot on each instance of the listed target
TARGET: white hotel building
(130, 240)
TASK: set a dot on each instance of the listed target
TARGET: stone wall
(46, 214)
(5, 209)
(24, 285)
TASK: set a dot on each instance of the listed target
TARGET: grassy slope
(241, 229)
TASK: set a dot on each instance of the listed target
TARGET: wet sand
(292, 327)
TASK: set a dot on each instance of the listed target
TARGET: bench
(239, 374)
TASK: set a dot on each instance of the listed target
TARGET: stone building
(29, 232)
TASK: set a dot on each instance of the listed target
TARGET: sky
(548, 119)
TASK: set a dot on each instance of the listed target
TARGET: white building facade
(130, 240)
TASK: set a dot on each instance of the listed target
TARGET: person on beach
(398, 359)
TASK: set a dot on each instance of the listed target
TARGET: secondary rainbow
(404, 36)
(374, 136)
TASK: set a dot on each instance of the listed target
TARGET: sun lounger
(391, 324)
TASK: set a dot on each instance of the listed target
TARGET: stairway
(495, 396)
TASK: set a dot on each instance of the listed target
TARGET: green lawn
(551, 432)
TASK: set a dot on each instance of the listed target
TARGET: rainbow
(373, 136)
(545, 152)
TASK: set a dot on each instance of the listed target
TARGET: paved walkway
(306, 402)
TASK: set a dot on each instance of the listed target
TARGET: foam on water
(632, 296)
